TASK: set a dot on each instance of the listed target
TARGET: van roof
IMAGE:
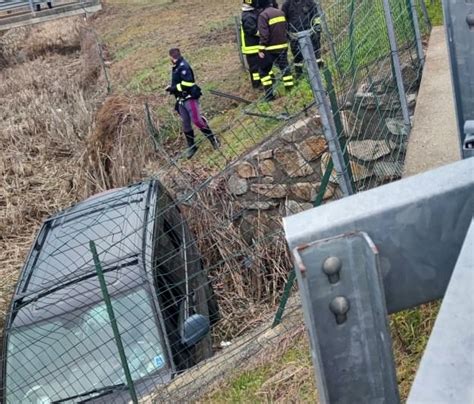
(114, 220)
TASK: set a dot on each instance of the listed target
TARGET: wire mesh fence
(194, 259)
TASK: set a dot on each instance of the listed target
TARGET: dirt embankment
(59, 134)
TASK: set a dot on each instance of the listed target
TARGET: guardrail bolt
(332, 268)
(340, 306)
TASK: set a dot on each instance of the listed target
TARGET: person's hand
(261, 55)
(168, 89)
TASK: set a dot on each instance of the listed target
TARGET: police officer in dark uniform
(303, 15)
(250, 40)
(187, 94)
(272, 28)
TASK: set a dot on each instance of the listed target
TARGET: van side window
(169, 270)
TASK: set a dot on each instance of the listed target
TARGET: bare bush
(118, 149)
(247, 277)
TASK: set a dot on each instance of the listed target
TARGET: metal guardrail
(459, 22)
(30, 12)
(12, 5)
(19, 5)
(379, 252)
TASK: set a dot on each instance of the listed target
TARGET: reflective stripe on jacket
(183, 85)
(272, 27)
(249, 32)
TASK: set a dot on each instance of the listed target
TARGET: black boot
(192, 146)
(212, 138)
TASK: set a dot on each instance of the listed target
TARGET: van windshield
(76, 353)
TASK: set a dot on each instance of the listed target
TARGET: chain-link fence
(157, 290)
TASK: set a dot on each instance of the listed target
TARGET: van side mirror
(195, 328)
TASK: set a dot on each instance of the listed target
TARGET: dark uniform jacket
(272, 28)
(300, 14)
(183, 85)
(249, 31)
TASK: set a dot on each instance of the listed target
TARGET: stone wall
(283, 175)
(280, 177)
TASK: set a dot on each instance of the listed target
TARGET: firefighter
(272, 27)
(187, 94)
(250, 40)
(303, 15)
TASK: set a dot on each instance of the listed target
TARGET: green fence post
(292, 276)
(284, 298)
(113, 322)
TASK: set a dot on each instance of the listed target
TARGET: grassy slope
(435, 11)
(138, 34)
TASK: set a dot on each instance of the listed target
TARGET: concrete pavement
(434, 138)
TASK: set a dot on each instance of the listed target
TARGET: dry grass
(280, 373)
(44, 118)
(53, 153)
(284, 372)
(118, 149)
(248, 271)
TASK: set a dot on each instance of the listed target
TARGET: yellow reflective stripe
(276, 20)
(266, 81)
(287, 78)
(256, 76)
(247, 50)
(179, 88)
(288, 83)
(276, 47)
(250, 50)
(317, 21)
(187, 83)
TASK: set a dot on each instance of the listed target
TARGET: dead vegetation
(248, 271)
(53, 151)
(117, 150)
